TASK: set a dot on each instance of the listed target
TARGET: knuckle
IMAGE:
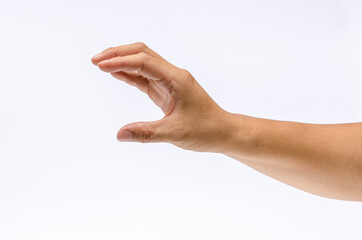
(144, 56)
(141, 46)
(110, 49)
(145, 135)
(186, 75)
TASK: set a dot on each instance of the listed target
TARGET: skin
(322, 159)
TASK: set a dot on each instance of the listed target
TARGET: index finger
(123, 50)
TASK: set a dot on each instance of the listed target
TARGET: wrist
(240, 137)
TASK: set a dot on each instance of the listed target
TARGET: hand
(192, 119)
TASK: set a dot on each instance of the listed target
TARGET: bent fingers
(146, 66)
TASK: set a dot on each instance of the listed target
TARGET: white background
(63, 175)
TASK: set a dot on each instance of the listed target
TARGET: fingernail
(125, 136)
(97, 55)
(94, 59)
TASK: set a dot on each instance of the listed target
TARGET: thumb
(143, 132)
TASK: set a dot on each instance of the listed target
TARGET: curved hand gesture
(192, 119)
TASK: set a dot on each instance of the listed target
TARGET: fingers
(133, 80)
(143, 132)
(146, 65)
(124, 50)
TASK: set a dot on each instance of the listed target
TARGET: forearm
(321, 159)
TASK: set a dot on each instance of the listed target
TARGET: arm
(324, 160)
